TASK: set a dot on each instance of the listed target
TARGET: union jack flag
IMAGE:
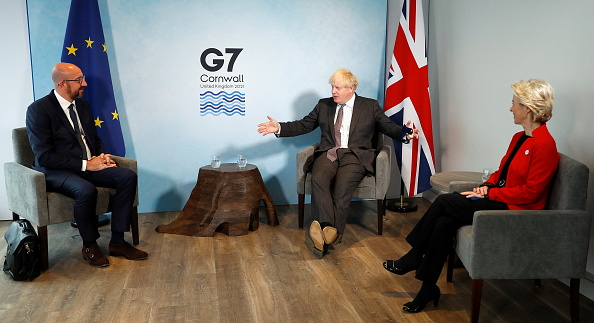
(407, 98)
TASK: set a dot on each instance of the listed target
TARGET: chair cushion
(61, 207)
(365, 190)
(525, 244)
(464, 245)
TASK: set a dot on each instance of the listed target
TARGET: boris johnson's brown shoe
(331, 235)
(95, 257)
(127, 251)
(316, 236)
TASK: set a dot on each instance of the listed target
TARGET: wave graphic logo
(222, 103)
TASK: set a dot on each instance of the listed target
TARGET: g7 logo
(217, 63)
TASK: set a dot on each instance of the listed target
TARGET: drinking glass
(486, 174)
(241, 161)
(216, 161)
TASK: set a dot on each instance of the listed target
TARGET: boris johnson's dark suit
(58, 154)
(333, 183)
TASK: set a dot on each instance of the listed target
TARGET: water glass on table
(241, 161)
(215, 161)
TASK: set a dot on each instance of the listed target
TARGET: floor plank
(268, 275)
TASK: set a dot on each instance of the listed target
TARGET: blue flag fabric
(84, 46)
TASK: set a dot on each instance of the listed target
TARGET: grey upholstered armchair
(372, 187)
(28, 198)
(551, 243)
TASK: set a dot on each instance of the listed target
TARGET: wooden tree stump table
(226, 199)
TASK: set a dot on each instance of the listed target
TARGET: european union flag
(84, 46)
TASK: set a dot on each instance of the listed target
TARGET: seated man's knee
(131, 175)
(87, 192)
(126, 177)
(322, 177)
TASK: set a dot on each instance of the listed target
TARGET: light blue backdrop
(290, 48)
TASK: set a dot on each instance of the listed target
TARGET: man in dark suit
(345, 156)
(69, 152)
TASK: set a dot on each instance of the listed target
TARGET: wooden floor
(268, 275)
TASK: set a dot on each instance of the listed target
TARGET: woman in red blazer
(521, 183)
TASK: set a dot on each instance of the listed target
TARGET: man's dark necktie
(331, 154)
(77, 131)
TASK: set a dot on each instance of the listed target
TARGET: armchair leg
(300, 209)
(134, 225)
(475, 299)
(381, 212)
(15, 216)
(451, 262)
(574, 300)
(42, 232)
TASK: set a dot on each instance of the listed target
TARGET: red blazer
(529, 173)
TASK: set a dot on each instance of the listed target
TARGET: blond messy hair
(344, 78)
(538, 96)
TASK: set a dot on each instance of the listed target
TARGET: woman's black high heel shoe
(419, 303)
(395, 268)
(407, 263)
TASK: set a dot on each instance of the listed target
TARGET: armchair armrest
(529, 244)
(126, 163)
(382, 172)
(26, 191)
(130, 164)
(463, 186)
(302, 157)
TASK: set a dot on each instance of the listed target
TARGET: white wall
(479, 48)
(15, 82)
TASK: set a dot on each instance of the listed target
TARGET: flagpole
(402, 205)
(407, 88)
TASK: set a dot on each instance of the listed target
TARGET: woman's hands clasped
(477, 192)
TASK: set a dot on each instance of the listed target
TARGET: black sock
(89, 244)
(117, 237)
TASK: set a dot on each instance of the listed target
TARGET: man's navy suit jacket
(58, 153)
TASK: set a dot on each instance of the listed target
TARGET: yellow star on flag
(89, 42)
(115, 115)
(72, 50)
(98, 122)
(104, 48)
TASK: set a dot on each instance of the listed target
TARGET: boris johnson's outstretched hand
(271, 126)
